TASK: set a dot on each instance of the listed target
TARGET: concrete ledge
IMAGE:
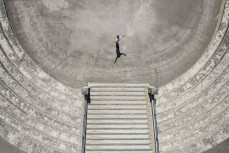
(170, 87)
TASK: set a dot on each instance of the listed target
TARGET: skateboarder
(119, 54)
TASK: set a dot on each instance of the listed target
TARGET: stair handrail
(86, 94)
(153, 92)
(156, 127)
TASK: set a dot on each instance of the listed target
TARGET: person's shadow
(118, 53)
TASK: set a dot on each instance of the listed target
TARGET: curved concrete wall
(192, 110)
(37, 113)
(164, 38)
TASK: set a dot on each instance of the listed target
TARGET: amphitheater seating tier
(39, 114)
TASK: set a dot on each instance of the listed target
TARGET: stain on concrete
(56, 5)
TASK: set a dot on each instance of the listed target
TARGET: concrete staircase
(119, 119)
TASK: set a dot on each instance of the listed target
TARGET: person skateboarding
(118, 53)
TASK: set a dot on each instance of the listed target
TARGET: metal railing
(155, 123)
(152, 92)
(86, 93)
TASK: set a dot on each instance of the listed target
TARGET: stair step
(117, 116)
(117, 111)
(118, 93)
(88, 151)
(126, 121)
(92, 107)
(117, 126)
(118, 85)
(132, 142)
(117, 119)
(118, 147)
(122, 131)
(120, 98)
(94, 89)
(118, 102)
(120, 136)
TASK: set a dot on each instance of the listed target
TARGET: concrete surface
(220, 148)
(38, 113)
(180, 46)
(73, 40)
(5, 147)
(126, 127)
(193, 109)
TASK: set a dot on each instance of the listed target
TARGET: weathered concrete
(126, 127)
(193, 109)
(37, 113)
(73, 40)
(222, 147)
(49, 39)
(5, 147)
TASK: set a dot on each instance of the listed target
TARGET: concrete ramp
(119, 119)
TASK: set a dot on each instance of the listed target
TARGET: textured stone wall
(192, 110)
(37, 113)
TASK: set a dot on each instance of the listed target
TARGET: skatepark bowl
(51, 49)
